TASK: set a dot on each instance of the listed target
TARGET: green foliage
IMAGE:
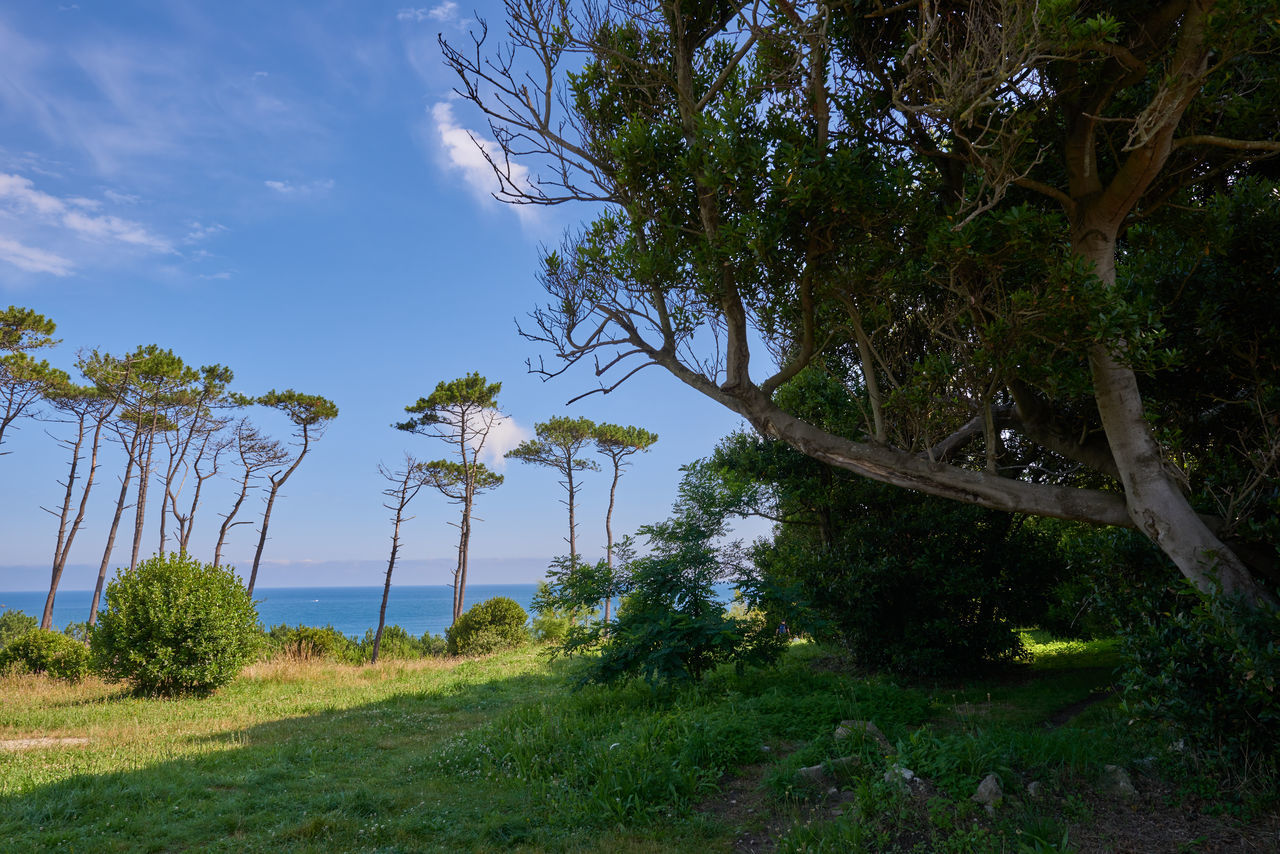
(44, 651)
(175, 625)
(1205, 669)
(495, 624)
(15, 624)
(397, 643)
(305, 643)
(671, 626)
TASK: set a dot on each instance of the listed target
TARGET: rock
(1033, 789)
(824, 774)
(989, 793)
(898, 774)
(848, 728)
(1116, 782)
(812, 774)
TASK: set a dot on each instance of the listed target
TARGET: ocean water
(350, 610)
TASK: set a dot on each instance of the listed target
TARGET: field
(498, 754)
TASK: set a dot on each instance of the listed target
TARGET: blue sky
(289, 189)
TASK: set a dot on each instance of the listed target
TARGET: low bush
(175, 625)
(48, 652)
(15, 624)
(492, 625)
(397, 643)
(307, 643)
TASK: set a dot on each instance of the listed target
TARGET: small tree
(461, 412)
(618, 444)
(558, 443)
(22, 378)
(405, 485)
(256, 453)
(310, 414)
(173, 625)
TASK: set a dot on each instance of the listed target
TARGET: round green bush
(175, 625)
(44, 651)
(494, 624)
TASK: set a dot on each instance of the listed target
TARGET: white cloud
(503, 436)
(465, 152)
(445, 13)
(20, 196)
(33, 260)
(120, 198)
(311, 188)
(223, 275)
(199, 231)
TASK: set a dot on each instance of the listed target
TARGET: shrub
(399, 644)
(494, 624)
(174, 625)
(15, 624)
(44, 651)
(1206, 668)
(306, 643)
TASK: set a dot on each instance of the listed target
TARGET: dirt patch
(1066, 714)
(33, 743)
(1156, 822)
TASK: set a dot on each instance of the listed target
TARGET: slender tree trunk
(386, 589)
(262, 537)
(608, 535)
(111, 541)
(573, 527)
(227, 522)
(46, 619)
(144, 481)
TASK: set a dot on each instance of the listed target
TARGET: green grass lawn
(498, 754)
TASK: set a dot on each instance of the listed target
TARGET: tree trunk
(111, 541)
(46, 619)
(608, 536)
(1155, 503)
(262, 536)
(140, 509)
(386, 589)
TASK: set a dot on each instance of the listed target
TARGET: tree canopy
(953, 209)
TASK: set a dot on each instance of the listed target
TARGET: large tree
(558, 442)
(933, 199)
(462, 413)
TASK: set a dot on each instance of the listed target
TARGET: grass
(497, 755)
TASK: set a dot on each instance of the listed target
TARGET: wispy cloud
(19, 197)
(465, 152)
(309, 188)
(33, 260)
(198, 231)
(444, 13)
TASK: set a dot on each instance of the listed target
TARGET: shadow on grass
(348, 779)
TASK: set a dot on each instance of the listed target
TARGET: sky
(292, 190)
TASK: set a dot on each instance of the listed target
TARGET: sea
(350, 610)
